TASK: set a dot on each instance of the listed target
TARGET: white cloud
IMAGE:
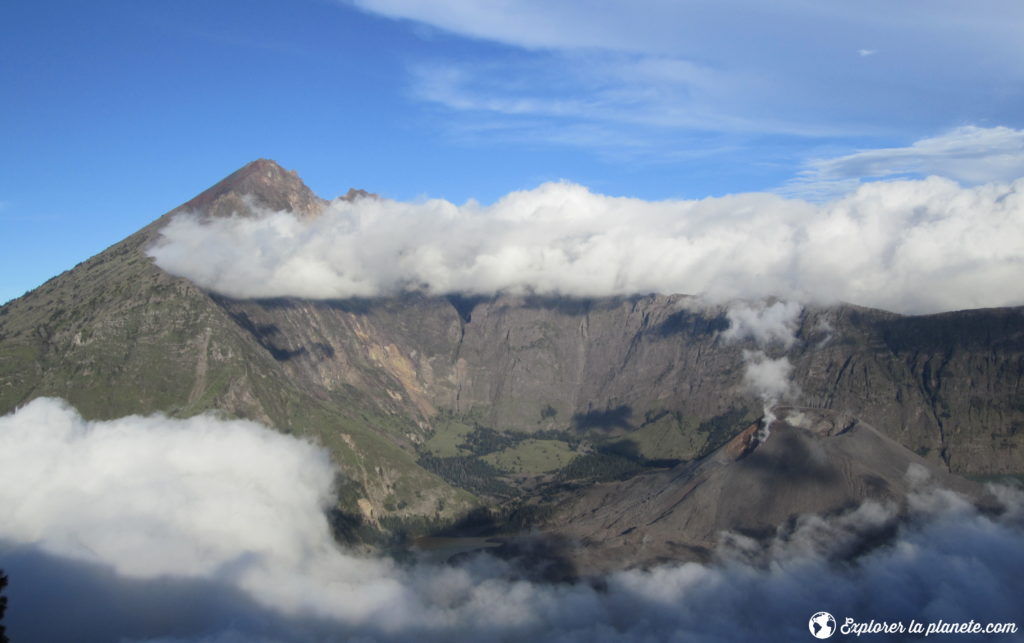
(169, 487)
(907, 246)
(970, 155)
(148, 528)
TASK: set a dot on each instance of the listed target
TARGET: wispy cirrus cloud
(623, 107)
(654, 69)
(970, 155)
(654, 26)
(641, 94)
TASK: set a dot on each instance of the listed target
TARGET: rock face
(811, 462)
(267, 184)
(406, 390)
(655, 371)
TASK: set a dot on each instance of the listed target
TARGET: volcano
(624, 417)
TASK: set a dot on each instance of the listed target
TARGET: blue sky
(116, 111)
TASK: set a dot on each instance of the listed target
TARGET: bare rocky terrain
(810, 461)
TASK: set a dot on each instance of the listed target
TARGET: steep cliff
(655, 371)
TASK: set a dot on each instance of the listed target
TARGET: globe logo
(822, 625)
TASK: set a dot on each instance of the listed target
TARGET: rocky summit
(623, 423)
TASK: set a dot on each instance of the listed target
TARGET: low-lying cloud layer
(908, 246)
(147, 528)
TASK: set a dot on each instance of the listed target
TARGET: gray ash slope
(645, 380)
(758, 485)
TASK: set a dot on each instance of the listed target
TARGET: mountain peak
(261, 183)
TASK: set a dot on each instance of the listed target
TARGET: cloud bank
(153, 529)
(913, 246)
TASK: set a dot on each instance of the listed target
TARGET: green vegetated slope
(532, 457)
(431, 405)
